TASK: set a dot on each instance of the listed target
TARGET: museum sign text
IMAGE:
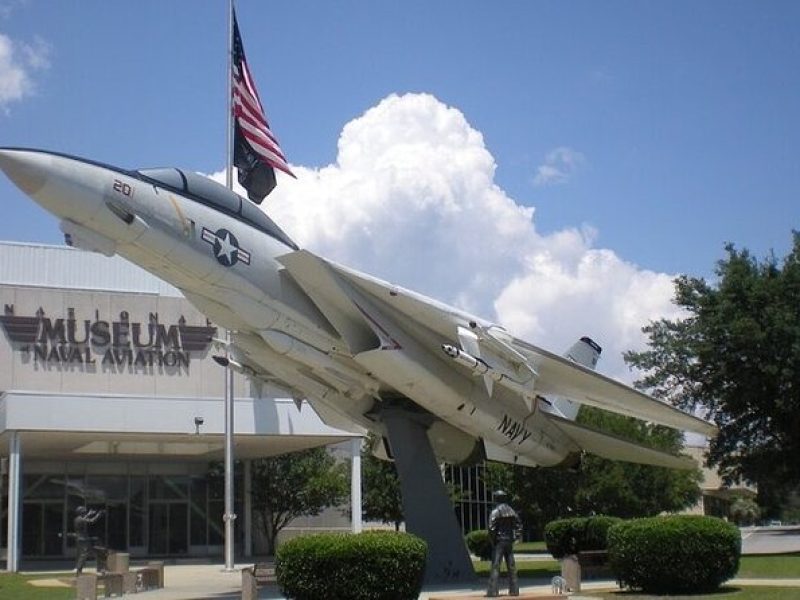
(118, 343)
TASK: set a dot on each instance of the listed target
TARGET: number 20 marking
(123, 188)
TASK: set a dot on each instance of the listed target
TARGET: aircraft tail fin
(585, 352)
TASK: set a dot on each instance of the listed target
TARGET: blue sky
(666, 128)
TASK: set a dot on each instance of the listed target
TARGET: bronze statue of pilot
(505, 527)
(86, 544)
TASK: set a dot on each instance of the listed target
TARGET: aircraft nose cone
(25, 169)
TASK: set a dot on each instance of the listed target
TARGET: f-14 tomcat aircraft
(362, 351)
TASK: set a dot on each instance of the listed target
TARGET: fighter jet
(436, 383)
(350, 344)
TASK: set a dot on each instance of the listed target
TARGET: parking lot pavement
(770, 540)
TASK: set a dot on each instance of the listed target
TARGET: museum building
(110, 397)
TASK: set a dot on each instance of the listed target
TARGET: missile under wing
(356, 347)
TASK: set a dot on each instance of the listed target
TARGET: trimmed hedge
(479, 544)
(570, 536)
(674, 554)
(380, 565)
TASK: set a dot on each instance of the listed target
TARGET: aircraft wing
(561, 377)
(328, 285)
(610, 446)
(331, 295)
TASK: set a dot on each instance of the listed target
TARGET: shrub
(676, 554)
(479, 544)
(559, 537)
(596, 532)
(570, 536)
(367, 566)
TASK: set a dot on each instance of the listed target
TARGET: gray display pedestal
(427, 507)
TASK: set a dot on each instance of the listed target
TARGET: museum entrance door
(42, 528)
(169, 528)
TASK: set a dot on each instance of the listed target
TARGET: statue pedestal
(118, 562)
(571, 572)
(86, 586)
(249, 585)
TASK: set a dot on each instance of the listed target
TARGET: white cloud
(411, 198)
(17, 62)
(37, 54)
(587, 292)
(559, 166)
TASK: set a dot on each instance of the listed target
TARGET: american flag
(256, 152)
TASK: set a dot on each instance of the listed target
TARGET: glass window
(53, 525)
(199, 515)
(216, 533)
(169, 177)
(116, 519)
(169, 487)
(31, 528)
(209, 192)
(136, 514)
(159, 529)
(216, 194)
(108, 486)
(43, 487)
(216, 485)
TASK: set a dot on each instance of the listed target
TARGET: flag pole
(229, 516)
(229, 142)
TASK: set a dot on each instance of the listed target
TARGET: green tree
(744, 511)
(629, 490)
(380, 487)
(598, 485)
(736, 354)
(293, 485)
(381, 497)
(539, 495)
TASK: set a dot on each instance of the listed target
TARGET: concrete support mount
(427, 507)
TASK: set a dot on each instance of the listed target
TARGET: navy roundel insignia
(225, 247)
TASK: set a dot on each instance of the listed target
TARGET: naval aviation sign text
(118, 343)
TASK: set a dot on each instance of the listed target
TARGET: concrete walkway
(212, 582)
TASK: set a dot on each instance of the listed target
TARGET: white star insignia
(226, 248)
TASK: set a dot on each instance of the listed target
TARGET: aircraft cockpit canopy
(209, 192)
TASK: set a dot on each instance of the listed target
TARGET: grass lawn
(16, 587)
(725, 593)
(530, 547)
(525, 568)
(751, 567)
(775, 566)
